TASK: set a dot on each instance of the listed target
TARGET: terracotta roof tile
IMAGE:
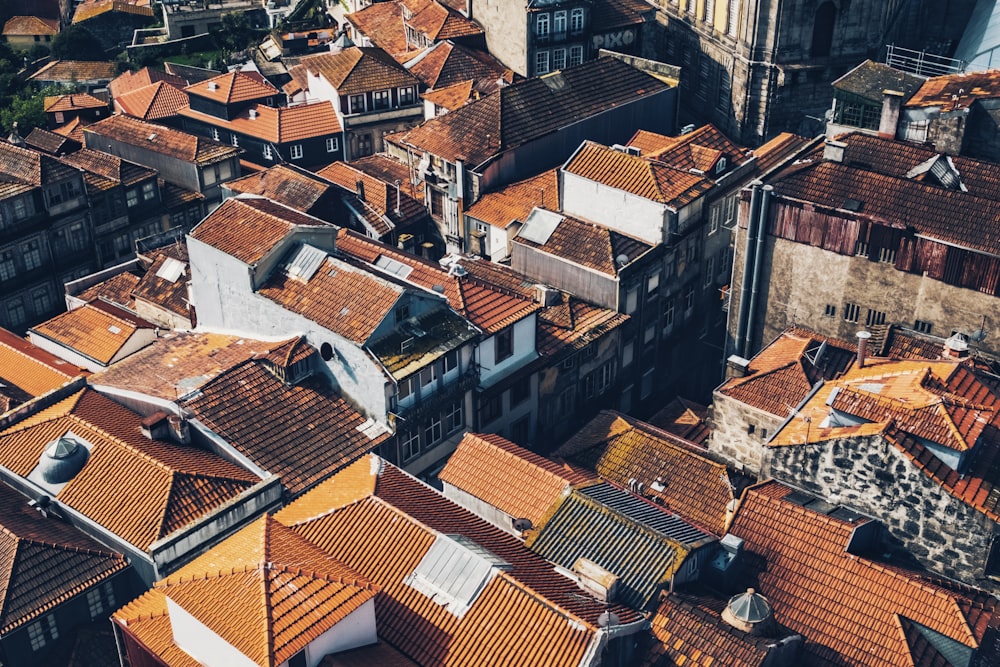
(673, 471)
(165, 486)
(115, 290)
(451, 97)
(90, 8)
(288, 185)
(302, 432)
(956, 90)
(357, 70)
(699, 149)
(118, 170)
(131, 81)
(30, 25)
(44, 561)
(26, 167)
(846, 606)
(49, 142)
(75, 70)
(262, 224)
(515, 201)
(779, 149)
(177, 144)
(153, 102)
(542, 620)
(96, 330)
(72, 102)
(265, 590)
(438, 21)
(160, 287)
(446, 64)
(32, 369)
(380, 195)
(520, 483)
(276, 124)
(233, 87)
(382, 24)
(685, 419)
(72, 129)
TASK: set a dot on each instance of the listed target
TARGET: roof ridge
(266, 589)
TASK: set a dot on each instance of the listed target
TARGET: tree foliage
(76, 43)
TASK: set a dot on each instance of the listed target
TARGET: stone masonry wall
(731, 441)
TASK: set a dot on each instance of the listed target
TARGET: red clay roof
(699, 149)
(72, 71)
(357, 70)
(165, 140)
(382, 24)
(91, 8)
(72, 102)
(131, 81)
(30, 368)
(233, 87)
(451, 97)
(519, 482)
(276, 124)
(954, 91)
(446, 63)
(30, 25)
(438, 21)
(96, 330)
(685, 419)
(288, 185)
(515, 201)
(380, 193)
(152, 102)
(847, 607)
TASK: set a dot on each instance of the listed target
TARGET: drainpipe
(765, 204)
(748, 259)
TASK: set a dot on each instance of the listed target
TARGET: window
(332, 144)
(652, 284)
(357, 103)
(149, 191)
(597, 382)
(100, 599)
(575, 55)
(763, 434)
(830, 311)
(734, 12)
(132, 197)
(923, 326)
(704, 75)
(887, 255)
(874, 317)
(268, 152)
(709, 11)
(41, 300)
(31, 252)
(688, 300)
(296, 151)
(851, 312)
(406, 96)
(558, 59)
(404, 388)
(490, 409)
(576, 24)
(649, 335)
(428, 375)
(709, 270)
(861, 249)
(15, 311)
(542, 25)
(7, 270)
(541, 62)
(432, 432)
(520, 391)
(235, 139)
(41, 631)
(632, 300)
(298, 660)
(215, 133)
(453, 417)
(668, 317)
(450, 361)
(559, 24)
(20, 209)
(724, 97)
(380, 99)
(503, 344)
(628, 354)
(409, 443)
(647, 384)
(751, 428)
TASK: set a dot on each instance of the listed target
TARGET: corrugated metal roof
(648, 514)
(454, 571)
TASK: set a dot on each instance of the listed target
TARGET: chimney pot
(892, 101)
(863, 337)
(834, 150)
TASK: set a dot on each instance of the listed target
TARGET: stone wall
(872, 476)
(731, 439)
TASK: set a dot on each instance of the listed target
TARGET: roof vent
(212, 85)
(62, 460)
(596, 580)
(956, 347)
(252, 113)
(749, 612)
(834, 150)
(687, 129)
(151, 137)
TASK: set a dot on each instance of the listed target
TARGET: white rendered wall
(524, 350)
(197, 640)
(617, 209)
(356, 629)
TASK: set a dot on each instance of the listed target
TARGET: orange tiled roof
(262, 224)
(72, 102)
(164, 486)
(30, 25)
(166, 140)
(157, 286)
(128, 82)
(954, 91)
(784, 372)
(276, 124)
(544, 618)
(265, 590)
(32, 369)
(49, 142)
(357, 70)
(91, 8)
(72, 129)
(288, 185)
(778, 150)
(382, 24)
(438, 21)
(72, 71)
(847, 607)
(380, 193)
(489, 307)
(673, 471)
(153, 102)
(520, 483)
(637, 175)
(116, 169)
(44, 561)
(303, 432)
(699, 149)
(447, 63)
(515, 201)
(451, 97)
(97, 331)
(233, 87)
(116, 290)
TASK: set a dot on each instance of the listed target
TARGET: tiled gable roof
(640, 543)
(30, 25)
(526, 110)
(91, 8)
(778, 150)
(49, 142)
(646, 178)
(545, 619)
(32, 369)
(166, 140)
(379, 194)
(72, 102)
(519, 482)
(699, 149)
(357, 70)
(439, 21)
(382, 24)
(685, 419)
(162, 286)
(285, 184)
(277, 124)
(118, 170)
(846, 606)
(72, 129)
(954, 91)
(671, 470)
(265, 590)
(28, 167)
(590, 245)
(44, 562)
(75, 70)
(450, 97)
(446, 63)
(131, 81)
(115, 290)
(784, 372)
(262, 224)
(153, 102)
(515, 201)
(233, 87)
(164, 486)
(97, 330)
(302, 432)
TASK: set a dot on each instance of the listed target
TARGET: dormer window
(357, 103)
(380, 99)
(720, 166)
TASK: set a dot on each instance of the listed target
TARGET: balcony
(369, 117)
(439, 400)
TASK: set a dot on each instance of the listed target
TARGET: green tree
(26, 108)
(76, 43)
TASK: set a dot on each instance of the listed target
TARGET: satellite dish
(979, 335)
(522, 525)
(621, 260)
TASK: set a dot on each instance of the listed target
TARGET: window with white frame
(558, 59)
(450, 361)
(380, 99)
(148, 190)
(503, 344)
(41, 300)
(432, 432)
(20, 207)
(632, 300)
(598, 381)
(734, 12)
(576, 21)
(428, 375)
(652, 284)
(16, 313)
(406, 96)
(404, 388)
(575, 55)
(215, 133)
(709, 11)
(542, 24)
(709, 270)
(559, 23)
(453, 417)
(296, 151)
(268, 152)
(235, 139)
(332, 144)
(541, 62)
(688, 300)
(42, 631)
(409, 444)
(31, 252)
(7, 267)
(356, 103)
(131, 197)
(668, 317)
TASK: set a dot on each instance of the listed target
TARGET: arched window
(826, 16)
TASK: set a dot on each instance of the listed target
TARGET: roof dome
(747, 611)
(63, 459)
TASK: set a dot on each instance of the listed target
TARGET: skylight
(170, 270)
(454, 571)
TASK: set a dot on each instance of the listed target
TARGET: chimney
(253, 113)
(863, 337)
(737, 366)
(892, 100)
(546, 295)
(155, 426)
(834, 150)
(956, 347)
(179, 429)
(360, 186)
